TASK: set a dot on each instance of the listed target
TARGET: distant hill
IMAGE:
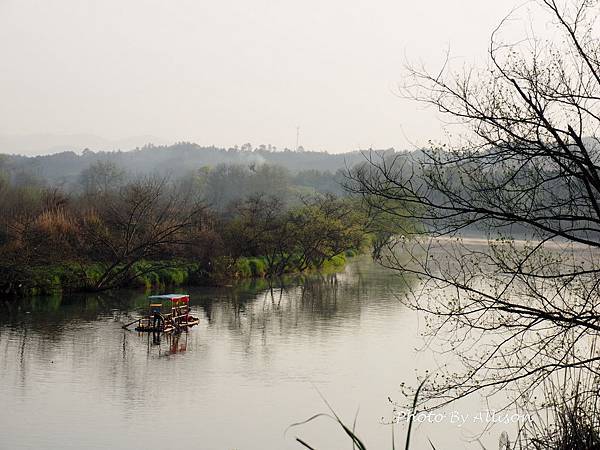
(175, 160)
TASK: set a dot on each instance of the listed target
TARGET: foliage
(231, 221)
(297, 239)
(181, 159)
(102, 177)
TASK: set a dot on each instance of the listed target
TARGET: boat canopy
(180, 297)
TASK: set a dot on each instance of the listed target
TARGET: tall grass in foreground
(357, 444)
(572, 419)
(572, 422)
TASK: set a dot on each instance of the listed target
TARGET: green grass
(258, 267)
(57, 279)
(337, 262)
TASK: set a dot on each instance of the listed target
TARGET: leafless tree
(147, 220)
(518, 311)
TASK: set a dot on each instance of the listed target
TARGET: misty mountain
(175, 160)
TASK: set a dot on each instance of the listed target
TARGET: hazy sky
(227, 72)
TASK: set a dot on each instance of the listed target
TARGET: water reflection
(167, 344)
(237, 380)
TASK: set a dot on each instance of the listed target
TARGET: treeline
(174, 160)
(215, 224)
(220, 184)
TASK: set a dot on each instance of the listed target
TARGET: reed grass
(357, 444)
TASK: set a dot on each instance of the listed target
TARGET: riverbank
(58, 279)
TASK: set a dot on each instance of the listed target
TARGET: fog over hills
(175, 160)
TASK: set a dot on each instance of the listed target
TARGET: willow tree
(525, 173)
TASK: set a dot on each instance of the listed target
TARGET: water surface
(71, 378)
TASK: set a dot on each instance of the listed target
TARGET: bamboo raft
(178, 319)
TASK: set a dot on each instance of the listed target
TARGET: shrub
(242, 268)
(335, 262)
(258, 267)
(173, 276)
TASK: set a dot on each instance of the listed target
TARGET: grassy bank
(68, 278)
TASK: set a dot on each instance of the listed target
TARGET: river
(259, 361)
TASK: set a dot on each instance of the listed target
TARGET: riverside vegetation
(210, 226)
